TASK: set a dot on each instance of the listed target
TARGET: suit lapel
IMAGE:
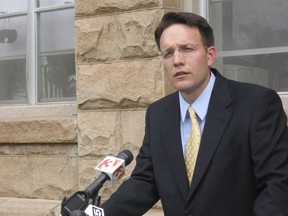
(172, 139)
(217, 119)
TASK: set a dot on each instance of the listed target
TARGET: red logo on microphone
(108, 163)
(119, 172)
(112, 166)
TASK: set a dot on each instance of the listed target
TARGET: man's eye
(187, 49)
(168, 54)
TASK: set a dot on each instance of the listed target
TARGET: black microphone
(78, 213)
(111, 168)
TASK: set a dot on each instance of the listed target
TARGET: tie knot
(192, 113)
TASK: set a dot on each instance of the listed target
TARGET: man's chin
(183, 88)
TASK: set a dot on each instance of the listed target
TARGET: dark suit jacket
(242, 164)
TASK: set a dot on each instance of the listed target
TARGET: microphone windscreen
(126, 155)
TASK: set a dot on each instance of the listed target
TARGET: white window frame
(33, 108)
(32, 45)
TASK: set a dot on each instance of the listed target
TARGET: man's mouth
(180, 73)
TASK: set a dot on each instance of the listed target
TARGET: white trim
(31, 53)
(248, 52)
(54, 8)
(14, 14)
(203, 9)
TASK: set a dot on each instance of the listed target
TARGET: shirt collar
(200, 105)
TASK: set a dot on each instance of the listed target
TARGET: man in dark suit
(242, 163)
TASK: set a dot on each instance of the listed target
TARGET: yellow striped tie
(192, 146)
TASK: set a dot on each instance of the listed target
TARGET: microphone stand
(79, 201)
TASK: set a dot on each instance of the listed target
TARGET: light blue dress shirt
(200, 106)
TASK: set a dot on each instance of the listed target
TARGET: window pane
(13, 39)
(251, 36)
(57, 80)
(45, 3)
(9, 6)
(246, 24)
(13, 81)
(13, 45)
(268, 70)
(57, 30)
(56, 77)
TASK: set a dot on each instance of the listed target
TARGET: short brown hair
(189, 19)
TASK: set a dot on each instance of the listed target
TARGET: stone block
(34, 173)
(63, 150)
(117, 36)
(38, 129)
(87, 172)
(32, 207)
(97, 133)
(136, 34)
(119, 85)
(109, 132)
(125, 128)
(97, 39)
(172, 4)
(96, 7)
(132, 130)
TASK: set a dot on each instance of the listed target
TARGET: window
(251, 39)
(37, 62)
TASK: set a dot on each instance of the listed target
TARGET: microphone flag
(92, 210)
(112, 166)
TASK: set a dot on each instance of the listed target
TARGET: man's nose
(178, 57)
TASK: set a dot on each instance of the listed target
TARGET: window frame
(12, 15)
(32, 50)
(35, 52)
(202, 8)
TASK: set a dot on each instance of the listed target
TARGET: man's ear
(211, 55)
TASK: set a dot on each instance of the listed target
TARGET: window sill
(38, 111)
(55, 123)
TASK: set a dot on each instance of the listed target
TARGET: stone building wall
(38, 153)
(119, 73)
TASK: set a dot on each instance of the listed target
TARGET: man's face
(186, 60)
